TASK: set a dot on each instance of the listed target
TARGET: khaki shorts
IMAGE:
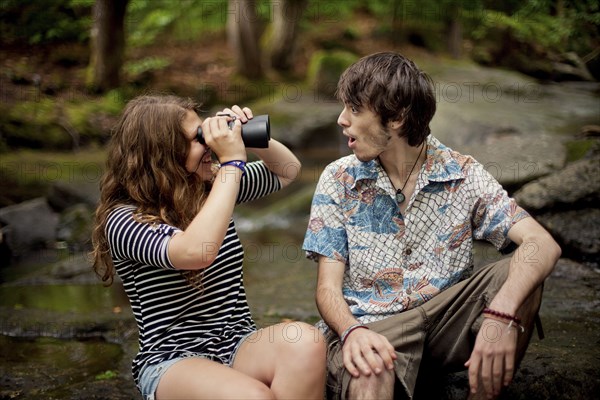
(443, 330)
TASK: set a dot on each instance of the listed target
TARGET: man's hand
(366, 352)
(493, 357)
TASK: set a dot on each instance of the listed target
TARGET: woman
(164, 224)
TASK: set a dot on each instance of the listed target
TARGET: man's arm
(530, 265)
(364, 351)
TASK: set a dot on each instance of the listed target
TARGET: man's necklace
(399, 195)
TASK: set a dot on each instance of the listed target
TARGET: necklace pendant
(400, 196)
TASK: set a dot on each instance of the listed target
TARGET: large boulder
(28, 225)
(63, 195)
(577, 183)
(577, 231)
(565, 203)
(515, 158)
(305, 120)
(325, 69)
(75, 227)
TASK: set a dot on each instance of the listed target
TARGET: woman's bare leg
(289, 358)
(199, 378)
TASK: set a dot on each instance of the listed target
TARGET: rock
(75, 227)
(28, 225)
(5, 253)
(63, 195)
(577, 231)
(62, 268)
(310, 117)
(564, 364)
(590, 131)
(325, 69)
(514, 158)
(577, 183)
(570, 68)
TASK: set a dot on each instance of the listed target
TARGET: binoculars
(256, 132)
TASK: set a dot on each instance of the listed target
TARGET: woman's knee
(258, 391)
(304, 342)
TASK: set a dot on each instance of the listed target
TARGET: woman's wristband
(236, 163)
(349, 330)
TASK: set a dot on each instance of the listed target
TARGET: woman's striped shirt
(174, 318)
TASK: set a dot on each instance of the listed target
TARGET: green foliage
(151, 20)
(110, 374)
(538, 22)
(148, 64)
(45, 21)
(545, 30)
(112, 102)
(145, 22)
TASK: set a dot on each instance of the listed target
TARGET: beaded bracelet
(349, 330)
(510, 323)
(499, 314)
(236, 163)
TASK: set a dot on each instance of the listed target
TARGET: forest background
(517, 87)
(68, 66)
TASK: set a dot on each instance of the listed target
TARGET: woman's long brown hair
(146, 168)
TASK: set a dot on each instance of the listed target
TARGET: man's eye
(353, 109)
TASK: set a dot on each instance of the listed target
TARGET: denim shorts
(151, 374)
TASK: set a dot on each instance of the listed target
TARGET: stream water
(280, 281)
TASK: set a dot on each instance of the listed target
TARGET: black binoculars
(256, 132)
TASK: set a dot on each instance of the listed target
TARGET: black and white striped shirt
(175, 319)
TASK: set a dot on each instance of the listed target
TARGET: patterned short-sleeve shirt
(395, 262)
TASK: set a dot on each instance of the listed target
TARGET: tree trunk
(397, 22)
(454, 32)
(108, 44)
(286, 18)
(242, 31)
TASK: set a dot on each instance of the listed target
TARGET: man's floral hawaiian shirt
(395, 262)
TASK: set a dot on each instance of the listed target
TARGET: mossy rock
(47, 123)
(325, 69)
(75, 227)
(580, 148)
(34, 124)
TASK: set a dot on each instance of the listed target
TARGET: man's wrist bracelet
(349, 330)
(236, 163)
(509, 323)
(499, 314)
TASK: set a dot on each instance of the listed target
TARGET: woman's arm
(281, 161)
(198, 246)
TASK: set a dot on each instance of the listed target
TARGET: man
(392, 228)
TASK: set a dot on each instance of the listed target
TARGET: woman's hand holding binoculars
(256, 131)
